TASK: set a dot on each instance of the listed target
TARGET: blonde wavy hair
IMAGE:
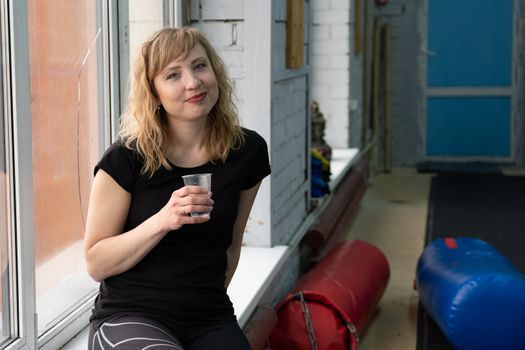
(143, 126)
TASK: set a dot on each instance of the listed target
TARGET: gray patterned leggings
(132, 332)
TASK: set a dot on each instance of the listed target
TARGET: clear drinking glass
(202, 180)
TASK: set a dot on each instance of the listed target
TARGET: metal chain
(311, 334)
(307, 318)
(353, 332)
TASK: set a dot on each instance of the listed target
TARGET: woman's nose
(192, 81)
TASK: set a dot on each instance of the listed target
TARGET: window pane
(64, 77)
(5, 330)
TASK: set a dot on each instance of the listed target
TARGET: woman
(164, 273)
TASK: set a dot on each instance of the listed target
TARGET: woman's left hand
(187, 205)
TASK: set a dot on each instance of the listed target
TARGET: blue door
(469, 79)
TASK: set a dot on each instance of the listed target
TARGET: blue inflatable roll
(475, 295)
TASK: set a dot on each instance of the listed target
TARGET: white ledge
(342, 160)
(257, 267)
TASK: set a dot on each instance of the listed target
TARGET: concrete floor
(392, 216)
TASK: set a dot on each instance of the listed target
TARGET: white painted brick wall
(331, 16)
(336, 61)
(227, 36)
(330, 47)
(217, 10)
(328, 76)
(330, 52)
(233, 59)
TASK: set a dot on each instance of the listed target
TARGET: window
(66, 119)
(58, 97)
(51, 133)
(66, 122)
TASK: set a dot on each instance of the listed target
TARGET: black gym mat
(486, 206)
(459, 168)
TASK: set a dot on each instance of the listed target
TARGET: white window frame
(24, 325)
(22, 278)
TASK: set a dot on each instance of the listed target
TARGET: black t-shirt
(181, 280)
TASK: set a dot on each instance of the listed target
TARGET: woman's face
(187, 88)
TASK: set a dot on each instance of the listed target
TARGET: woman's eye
(200, 66)
(174, 76)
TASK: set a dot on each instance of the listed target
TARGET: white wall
(330, 62)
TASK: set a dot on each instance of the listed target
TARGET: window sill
(257, 266)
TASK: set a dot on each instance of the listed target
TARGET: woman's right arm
(110, 251)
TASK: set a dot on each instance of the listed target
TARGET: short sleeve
(121, 164)
(259, 162)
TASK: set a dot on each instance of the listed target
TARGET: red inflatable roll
(333, 301)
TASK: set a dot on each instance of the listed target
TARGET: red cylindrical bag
(333, 302)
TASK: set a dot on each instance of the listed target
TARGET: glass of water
(202, 180)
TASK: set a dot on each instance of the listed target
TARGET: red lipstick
(196, 98)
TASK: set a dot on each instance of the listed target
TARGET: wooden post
(366, 135)
(387, 99)
(358, 24)
(294, 33)
(376, 68)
